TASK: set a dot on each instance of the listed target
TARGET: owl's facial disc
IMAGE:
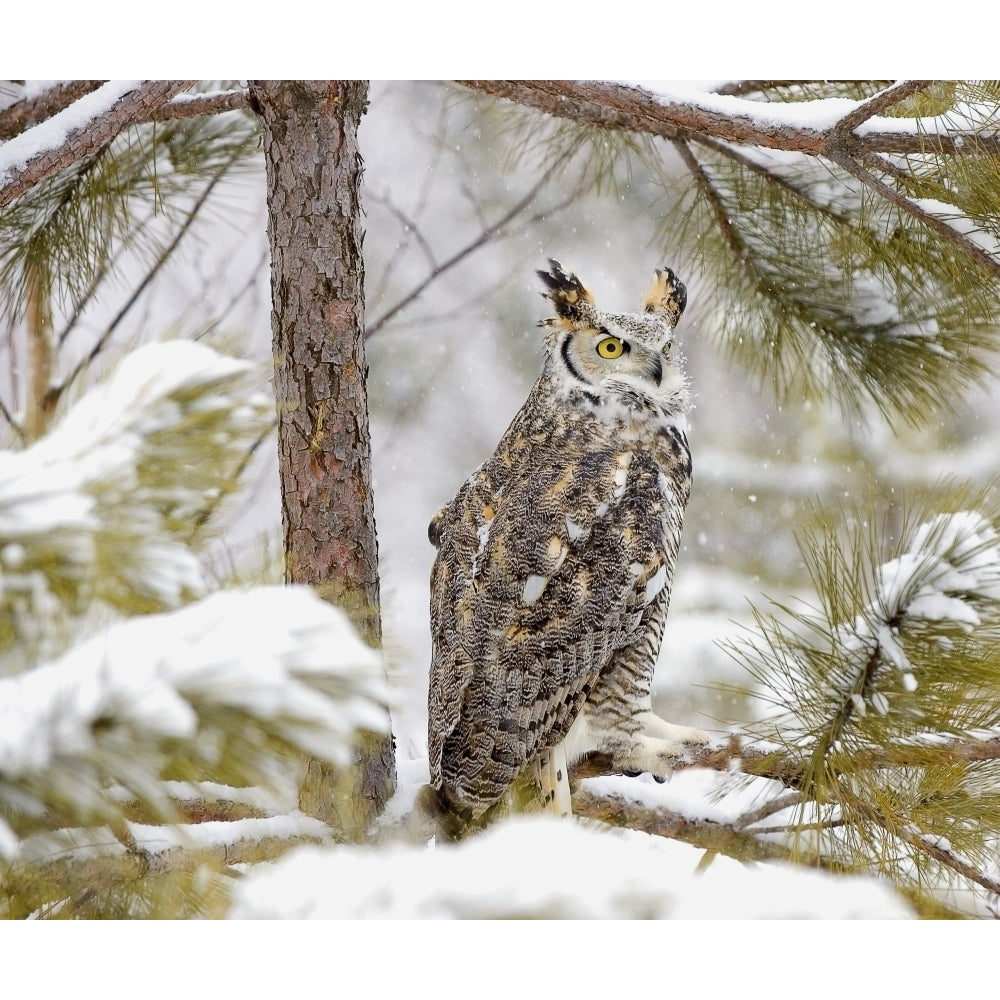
(601, 358)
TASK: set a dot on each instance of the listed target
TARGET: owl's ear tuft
(566, 292)
(666, 296)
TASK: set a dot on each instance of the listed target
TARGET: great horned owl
(555, 560)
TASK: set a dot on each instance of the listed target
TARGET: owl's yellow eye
(611, 347)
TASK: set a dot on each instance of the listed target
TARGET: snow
(109, 493)
(288, 661)
(16, 153)
(550, 868)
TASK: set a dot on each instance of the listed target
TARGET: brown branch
(705, 834)
(739, 88)
(14, 425)
(630, 109)
(704, 183)
(27, 887)
(767, 175)
(25, 113)
(877, 103)
(775, 805)
(83, 140)
(192, 105)
(925, 844)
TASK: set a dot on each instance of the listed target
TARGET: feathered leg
(553, 780)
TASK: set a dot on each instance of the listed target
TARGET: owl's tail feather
(553, 780)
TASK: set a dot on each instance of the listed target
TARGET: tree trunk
(317, 287)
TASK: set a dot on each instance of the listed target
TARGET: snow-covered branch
(224, 683)
(31, 111)
(796, 126)
(78, 131)
(56, 872)
(843, 131)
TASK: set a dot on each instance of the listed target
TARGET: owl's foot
(666, 295)
(656, 749)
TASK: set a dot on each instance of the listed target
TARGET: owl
(555, 560)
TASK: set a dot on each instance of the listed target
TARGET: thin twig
(769, 808)
(733, 239)
(92, 289)
(14, 425)
(484, 237)
(925, 844)
(410, 227)
(209, 510)
(763, 172)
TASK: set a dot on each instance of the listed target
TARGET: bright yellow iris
(610, 347)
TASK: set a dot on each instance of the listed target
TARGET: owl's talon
(632, 774)
(659, 779)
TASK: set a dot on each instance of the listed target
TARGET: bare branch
(24, 114)
(775, 805)
(484, 237)
(733, 239)
(877, 103)
(82, 140)
(14, 425)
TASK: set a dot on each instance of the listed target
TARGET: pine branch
(764, 760)
(26, 113)
(140, 853)
(630, 109)
(76, 141)
(985, 260)
(56, 392)
(934, 847)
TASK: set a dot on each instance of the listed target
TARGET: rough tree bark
(317, 286)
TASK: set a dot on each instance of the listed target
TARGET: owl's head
(623, 356)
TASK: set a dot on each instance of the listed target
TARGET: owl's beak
(653, 369)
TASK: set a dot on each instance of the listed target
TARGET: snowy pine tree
(840, 245)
